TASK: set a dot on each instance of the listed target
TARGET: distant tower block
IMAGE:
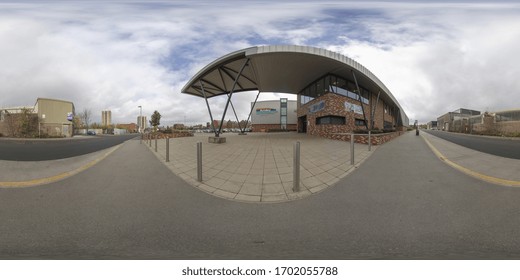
(106, 118)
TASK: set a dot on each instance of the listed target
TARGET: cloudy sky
(434, 56)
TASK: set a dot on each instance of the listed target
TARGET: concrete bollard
(141, 139)
(352, 148)
(369, 141)
(167, 149)
(296, 167)
(156, 143)
(199, 161)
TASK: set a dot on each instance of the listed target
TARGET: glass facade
(507, 116)
(283, 113)
(334, 84)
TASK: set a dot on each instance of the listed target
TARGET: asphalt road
(402, 203)
(490, 145)
(50, 149)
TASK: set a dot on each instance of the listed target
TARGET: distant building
(130, 127)
(55, 116)
(489, 123)
(431, 125)
(106, 118)
(274, 115)
(179, 126)
(141, 123)
(454, 121)
(48, 117)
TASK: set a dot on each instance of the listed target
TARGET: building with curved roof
(335, 93)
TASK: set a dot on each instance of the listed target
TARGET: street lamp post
(140, 119)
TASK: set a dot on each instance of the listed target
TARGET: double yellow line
(489, 179)
(61, 176)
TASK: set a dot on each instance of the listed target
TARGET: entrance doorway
(302, 124)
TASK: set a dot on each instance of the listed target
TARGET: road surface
(402, 203)
(50, 149)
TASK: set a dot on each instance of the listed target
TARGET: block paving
(258, 167)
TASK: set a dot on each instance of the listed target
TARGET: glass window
(359, 122)
(330, 120)
(320, 87)
(283, 111)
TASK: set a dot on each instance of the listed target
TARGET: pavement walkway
(483, 166)
(401, 203)
(258, 167)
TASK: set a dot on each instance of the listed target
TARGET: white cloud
(119, 55)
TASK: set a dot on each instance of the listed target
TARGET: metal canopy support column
(232, 107)
(207, 104)
(230, 95)
(254, 103)
(373, 115)
(360, 100)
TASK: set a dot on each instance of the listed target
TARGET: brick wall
(508, 128)
(271, 127)
(335, 106)
(376, 139)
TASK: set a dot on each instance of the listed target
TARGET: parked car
(91, 133)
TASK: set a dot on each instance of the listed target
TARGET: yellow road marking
(47, 180)
(490, 179)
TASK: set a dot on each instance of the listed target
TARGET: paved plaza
(258, 167)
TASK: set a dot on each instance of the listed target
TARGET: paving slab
(258, 167)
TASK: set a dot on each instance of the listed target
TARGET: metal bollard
(141, 139)
(199, 161)
(156, 143)
(352, 148)
(167, 149)
(369, 141)
(296, 167)
(149, 140)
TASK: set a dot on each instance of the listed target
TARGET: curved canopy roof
(285, 69)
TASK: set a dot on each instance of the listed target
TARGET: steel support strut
(232, 106)
(250, 112)
(209, 109)
(373, 115)
(360, 100)
(230, 95)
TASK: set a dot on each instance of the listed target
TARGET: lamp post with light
(140, 119)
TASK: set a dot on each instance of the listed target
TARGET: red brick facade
(376, 139)
(335, 106)
(271, 127)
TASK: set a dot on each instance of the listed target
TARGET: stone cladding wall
(376, 139)
(271, 127)
(335, 106)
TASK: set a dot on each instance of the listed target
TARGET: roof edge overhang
(212, 66)
(255, 51)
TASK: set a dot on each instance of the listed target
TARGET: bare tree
(85, 117)
(11, 123)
